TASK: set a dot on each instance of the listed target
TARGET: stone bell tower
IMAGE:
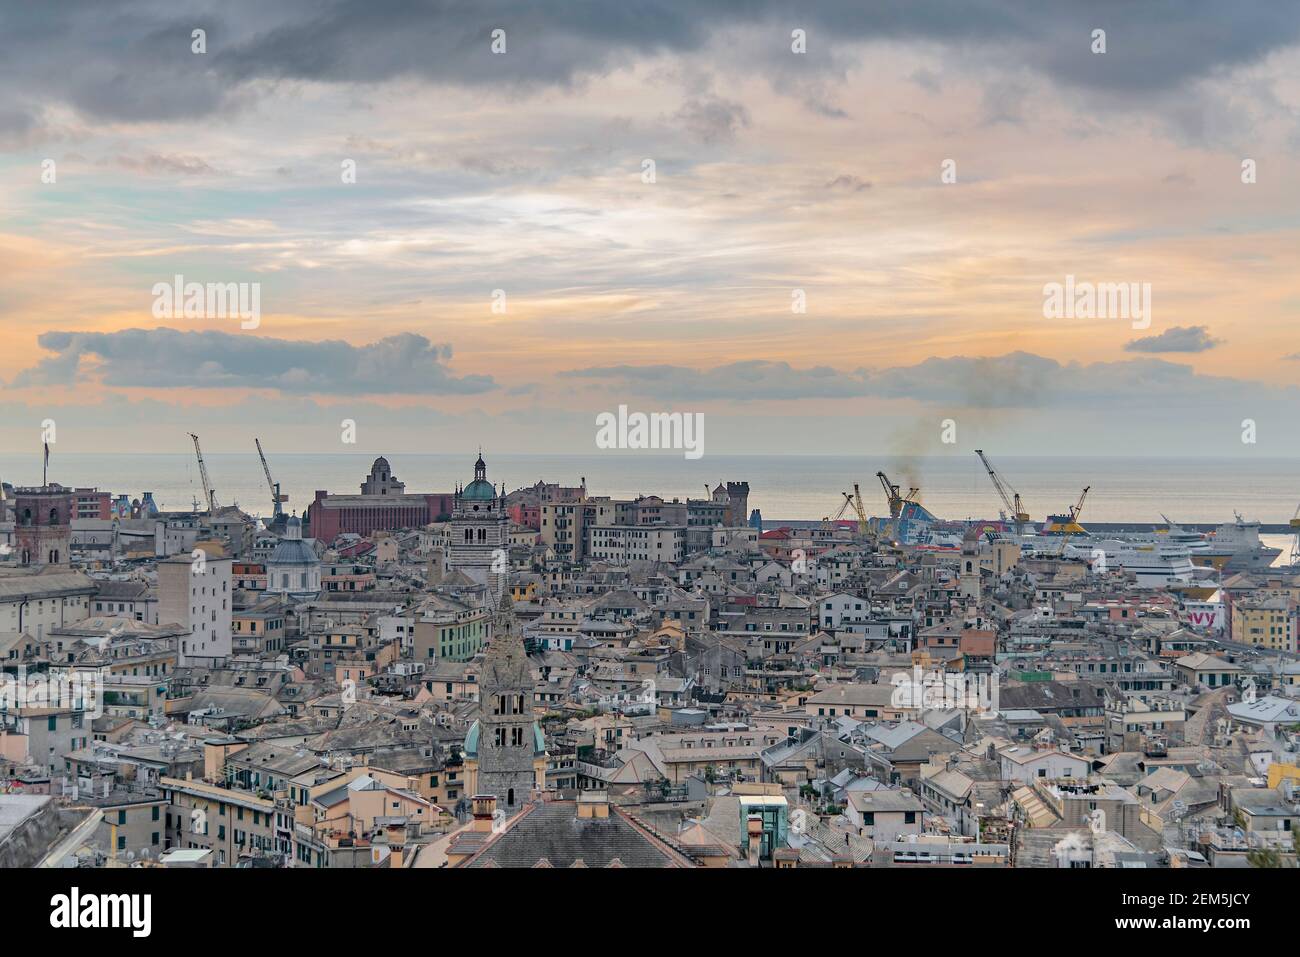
(504, 744)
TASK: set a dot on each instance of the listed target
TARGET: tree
(1264, 857)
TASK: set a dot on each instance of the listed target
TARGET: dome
(293, 551)
(379, 463)
(479, 490)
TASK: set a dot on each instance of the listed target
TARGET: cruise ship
(1232, 547)
(1235, 547)
(1165, 564)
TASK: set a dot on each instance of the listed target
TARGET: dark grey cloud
(713, 119)
(849, 182)
(1017, 380)
(131, 60)
(1175, 339)
(404, 364)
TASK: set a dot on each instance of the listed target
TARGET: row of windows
(516, 737)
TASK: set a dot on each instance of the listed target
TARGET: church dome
(292, 550)
(479, 490)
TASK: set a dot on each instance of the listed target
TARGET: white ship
(1160, 564)
(1235, 547)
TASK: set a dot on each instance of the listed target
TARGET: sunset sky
(775, 171)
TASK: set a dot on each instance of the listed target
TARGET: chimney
(754, 829)
(593, 805)
(485, 808)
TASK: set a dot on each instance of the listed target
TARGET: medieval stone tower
(505, 752)
(738, 503)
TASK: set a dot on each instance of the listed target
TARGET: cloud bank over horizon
(860, 232)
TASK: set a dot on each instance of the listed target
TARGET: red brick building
(383, 505)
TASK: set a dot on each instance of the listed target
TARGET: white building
(33, 604)
(195, 593)
(625, 543)
(835, 611)
(1025, 764)
(294, 567)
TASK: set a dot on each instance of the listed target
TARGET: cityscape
(550, 676)
(491, 436)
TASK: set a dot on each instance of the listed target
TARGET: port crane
(209, 493)
(276, 498)
(1010, 497)
(853, 503)
(1075, 511)
(893, 493)
(896, 500)
(1295, 541)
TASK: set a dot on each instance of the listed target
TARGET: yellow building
(1266, 623)
(1277, 773)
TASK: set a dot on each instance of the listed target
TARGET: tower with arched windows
(43, 525)
(479, 533)
(505, 751)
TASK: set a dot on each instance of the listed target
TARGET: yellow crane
(894, 496)
(1073, 523)
(853, 503)
(1010, 497)
(893, 493)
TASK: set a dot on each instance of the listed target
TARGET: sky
(502, 269)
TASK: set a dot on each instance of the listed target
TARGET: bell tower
(505, 741)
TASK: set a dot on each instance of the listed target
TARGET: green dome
(479, 490)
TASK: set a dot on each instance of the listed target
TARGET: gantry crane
(209, 493)
(1073, 523)
(1010, 497)
(276, 498)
